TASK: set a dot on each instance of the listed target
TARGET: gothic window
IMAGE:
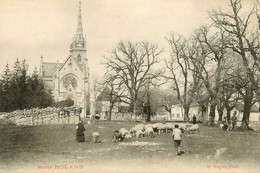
(69, 81)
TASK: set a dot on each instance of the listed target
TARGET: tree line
(216, 67)
(19, 90)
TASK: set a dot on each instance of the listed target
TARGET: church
(70, 79)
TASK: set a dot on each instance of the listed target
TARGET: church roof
(48, 68)
(74, 59)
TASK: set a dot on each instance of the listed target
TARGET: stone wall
(36, 116)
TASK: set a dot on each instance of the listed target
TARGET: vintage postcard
(129, 86)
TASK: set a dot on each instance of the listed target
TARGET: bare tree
(179, 73)
(132, 63)
(244, 41)
(116, 93)
(96, 89)
(207, 64)
(168, 99)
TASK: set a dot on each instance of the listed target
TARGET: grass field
(48, 145)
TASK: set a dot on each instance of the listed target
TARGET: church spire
(79, 32)
(78, 39)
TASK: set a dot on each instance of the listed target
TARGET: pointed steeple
(78, 39)
(79, 32)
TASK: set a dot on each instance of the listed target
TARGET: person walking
(234, 120)
(177, 138)
(80, 137)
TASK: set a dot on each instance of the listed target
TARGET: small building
(239, 109)
(103, 102)
(177, 112)
(254, 113)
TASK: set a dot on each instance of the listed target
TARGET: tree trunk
(203, 112)
(220, 113)
(109, 113)
(134, 111)
(186, 113)
(212, 113)
(148, 118)
(247, 106)
(228, 113)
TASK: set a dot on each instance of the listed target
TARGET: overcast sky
(31, 28)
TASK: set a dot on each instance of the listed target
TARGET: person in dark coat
(80, 137)
(194, 119)
(234, 120)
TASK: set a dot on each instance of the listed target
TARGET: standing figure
(177, 138)
(194, 119)
(80, 137)
(234, 120)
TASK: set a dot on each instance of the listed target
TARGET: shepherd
(194, 119)
(234, 120)
(80, 137)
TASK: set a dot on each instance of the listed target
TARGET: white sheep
(160, 127)
(95, 137)
(140, 127)
(194, 128)
(149, 132)
(156, 125)
(133, 131)
(139, 134)
(169, 127)
(182, 126)
(148, 125)
(123, 132)
(128, 136)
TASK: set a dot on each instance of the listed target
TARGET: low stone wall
(67, 115)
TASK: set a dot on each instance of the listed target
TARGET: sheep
(155, 130)
(117, 137)
(169, 127)
(148, 125)
(95, 137)
(140, 127)
(133, 131)
(139, 134)
(194, 128)
(123, 132)
(160, 127)
(182, 127)
(149, 132)
(128, 136)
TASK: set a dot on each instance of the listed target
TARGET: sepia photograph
(131, 86)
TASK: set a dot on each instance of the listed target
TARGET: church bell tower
(78, 50)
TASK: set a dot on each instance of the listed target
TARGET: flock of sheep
(150, 130)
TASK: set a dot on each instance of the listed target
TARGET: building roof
(240, 108)
(105, 95)
(48, 68)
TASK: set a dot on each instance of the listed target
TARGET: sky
(31, 28)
